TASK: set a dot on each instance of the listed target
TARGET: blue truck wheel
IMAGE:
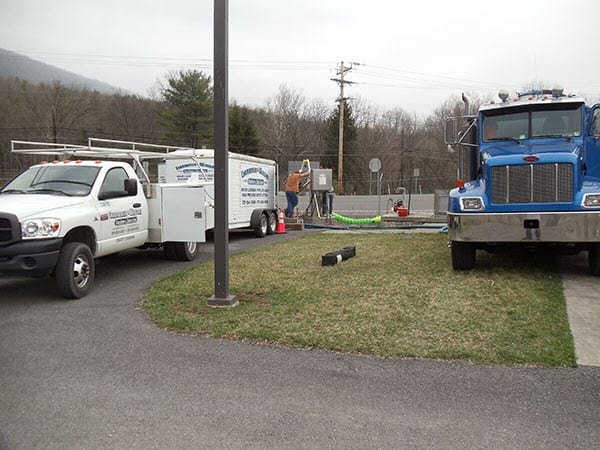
(463, 255)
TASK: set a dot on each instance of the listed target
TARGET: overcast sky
(413, 55)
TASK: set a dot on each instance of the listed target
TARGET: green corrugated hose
(375, 220)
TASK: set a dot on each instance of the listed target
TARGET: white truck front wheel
(75, 270)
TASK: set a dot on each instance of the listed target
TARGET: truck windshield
(537, 121)
(59, 180)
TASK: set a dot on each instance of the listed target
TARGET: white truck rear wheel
(169, 250)
(186, 251)
(75, 270)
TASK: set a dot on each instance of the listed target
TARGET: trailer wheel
(259, 223)
(272, 229)
(463, 255)
(186, 251)
(594, 259)
(75, 270)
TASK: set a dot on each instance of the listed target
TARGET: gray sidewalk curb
(582, 294)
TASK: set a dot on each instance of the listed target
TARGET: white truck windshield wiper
(51, 191)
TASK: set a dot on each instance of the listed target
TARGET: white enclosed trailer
(252, 185)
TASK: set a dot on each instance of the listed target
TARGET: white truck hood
(35, 205)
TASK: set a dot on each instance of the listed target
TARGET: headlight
(40, 228)
(591, 201)
(471, 203)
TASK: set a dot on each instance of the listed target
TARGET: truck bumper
(555, 227)
(29, 259)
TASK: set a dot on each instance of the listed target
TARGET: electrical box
(321, 180)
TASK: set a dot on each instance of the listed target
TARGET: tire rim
(191, 247)
(264, 223)
(81, 271)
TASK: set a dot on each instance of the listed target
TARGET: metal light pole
(221, 126)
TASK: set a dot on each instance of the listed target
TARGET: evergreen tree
(242, 132)
(189, 114)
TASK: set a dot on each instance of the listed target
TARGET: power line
(406, 79)
(167, 62)
(400, 73)
(274, 64)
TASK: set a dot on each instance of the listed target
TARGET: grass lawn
(398, 297)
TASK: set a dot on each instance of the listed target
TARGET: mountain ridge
(16, 65)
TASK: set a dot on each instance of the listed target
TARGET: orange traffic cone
(280, 223)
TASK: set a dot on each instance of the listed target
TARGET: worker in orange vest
(292, 187)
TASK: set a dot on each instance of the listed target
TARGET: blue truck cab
(533, 168)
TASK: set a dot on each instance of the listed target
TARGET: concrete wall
(370, 205)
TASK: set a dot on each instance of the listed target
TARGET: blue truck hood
(554, 151)
(547, 146)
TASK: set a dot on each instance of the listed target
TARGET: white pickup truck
(57, 217)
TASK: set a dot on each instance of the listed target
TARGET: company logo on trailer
(254, 181)
(193, 167)
(254, 190)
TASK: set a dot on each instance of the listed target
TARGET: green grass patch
(398, 297)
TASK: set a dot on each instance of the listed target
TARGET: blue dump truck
(529, 176)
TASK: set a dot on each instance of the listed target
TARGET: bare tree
(391, 136)
(439, 165)
(60, 110)
(131, 117)
(289, 127)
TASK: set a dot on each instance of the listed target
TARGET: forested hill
(15, 65)
(288, 128)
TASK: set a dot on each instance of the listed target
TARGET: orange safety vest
(293, 181)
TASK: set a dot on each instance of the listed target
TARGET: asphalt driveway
(96, 373)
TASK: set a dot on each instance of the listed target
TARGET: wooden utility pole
(402, 157)
(341, 81)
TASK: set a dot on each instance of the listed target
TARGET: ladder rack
(103, 148)
(136, 147)
(91, 150)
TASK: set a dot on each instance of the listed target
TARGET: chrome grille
(532, 183)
